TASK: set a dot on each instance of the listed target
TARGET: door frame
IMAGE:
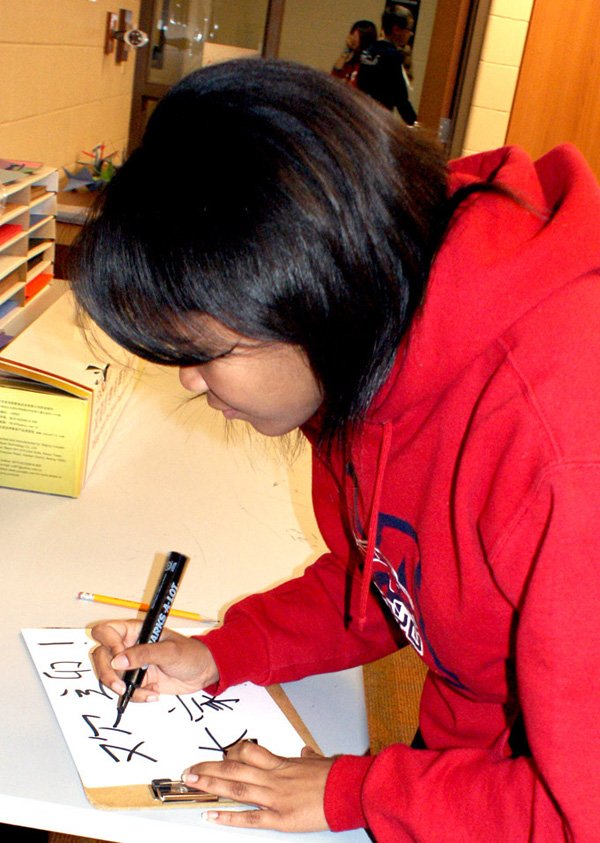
(451, 69)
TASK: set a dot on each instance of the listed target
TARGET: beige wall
(241, 22)
(314, 31)
(496, 82)
(59, 93)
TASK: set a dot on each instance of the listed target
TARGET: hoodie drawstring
(384, 450)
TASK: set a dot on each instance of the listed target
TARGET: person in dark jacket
(382, 73)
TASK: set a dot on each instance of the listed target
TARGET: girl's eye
(221, 356)
(210, 358)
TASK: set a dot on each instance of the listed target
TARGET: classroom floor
(392, 692)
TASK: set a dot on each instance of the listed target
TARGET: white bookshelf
(27, 246)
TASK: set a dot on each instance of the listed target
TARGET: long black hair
(282, 204)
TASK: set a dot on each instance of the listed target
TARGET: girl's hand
(288, 791)
(176, 664)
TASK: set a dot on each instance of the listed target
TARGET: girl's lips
(216, 404)
(230, 414)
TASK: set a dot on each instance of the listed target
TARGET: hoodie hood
(499, 259)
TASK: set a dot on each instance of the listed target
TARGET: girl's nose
(191, 378)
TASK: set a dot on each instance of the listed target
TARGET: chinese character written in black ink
(109, 748)
(85, 692)
(71, 670)
(208, 703)
(217, 745)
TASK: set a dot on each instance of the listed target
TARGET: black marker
(155, 619)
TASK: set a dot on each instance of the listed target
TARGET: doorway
(185, 34)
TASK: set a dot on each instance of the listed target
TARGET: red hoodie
(467, 514)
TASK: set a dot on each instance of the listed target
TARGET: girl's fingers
(250, 752)
(250, 774)
(117, 635)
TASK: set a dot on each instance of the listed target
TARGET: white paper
(153, 740)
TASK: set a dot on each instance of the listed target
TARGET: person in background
(433, 330)
(383, 73)
(362, 35)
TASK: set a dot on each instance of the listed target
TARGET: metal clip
(167, 790)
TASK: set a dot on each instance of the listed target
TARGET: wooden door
(145, 94)
(558, 91)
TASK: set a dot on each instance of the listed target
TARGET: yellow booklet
(61, 392)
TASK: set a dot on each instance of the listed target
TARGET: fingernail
(210, 816)
(118, 687)
(120, 661)
(152, 698)
(189, 778)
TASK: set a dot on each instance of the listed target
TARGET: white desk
(167, 480)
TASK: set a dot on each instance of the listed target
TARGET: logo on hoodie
(391, 582)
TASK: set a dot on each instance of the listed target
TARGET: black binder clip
(168, 790)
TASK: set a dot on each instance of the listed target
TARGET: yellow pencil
(132, 604)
